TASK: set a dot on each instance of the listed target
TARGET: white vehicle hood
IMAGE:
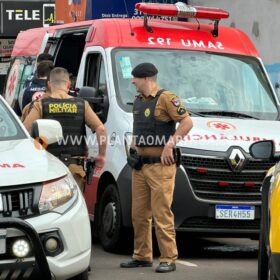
(219, 134)
(22, 163)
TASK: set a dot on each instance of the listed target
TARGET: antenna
(131, 32)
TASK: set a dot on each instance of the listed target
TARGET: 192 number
(159, 41)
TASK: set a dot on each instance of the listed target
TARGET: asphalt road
(199, 259)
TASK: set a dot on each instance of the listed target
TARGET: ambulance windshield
(205, 82)
(9, 127)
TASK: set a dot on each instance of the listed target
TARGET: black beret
(144, 70)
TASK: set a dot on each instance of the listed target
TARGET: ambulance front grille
(212, 178)
(18, 202)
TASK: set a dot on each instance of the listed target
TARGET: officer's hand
(99, 163)
(167, 155)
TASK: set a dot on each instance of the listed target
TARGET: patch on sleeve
(175, 101)
(181, 111)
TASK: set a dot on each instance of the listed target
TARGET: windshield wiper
(228, 114)
(196, 113)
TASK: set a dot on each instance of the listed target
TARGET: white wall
(260, 19)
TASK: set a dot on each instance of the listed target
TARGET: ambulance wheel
(110, 220)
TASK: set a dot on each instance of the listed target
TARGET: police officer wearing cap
(73, 114)
(156, 112)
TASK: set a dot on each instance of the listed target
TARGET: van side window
(95, 76)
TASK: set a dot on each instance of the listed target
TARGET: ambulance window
(95, 76)
(95, 73)
(91, 70)
(102, 87)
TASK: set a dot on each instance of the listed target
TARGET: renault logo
(236, 160)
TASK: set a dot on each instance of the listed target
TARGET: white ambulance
(44, 225)
(218, 74)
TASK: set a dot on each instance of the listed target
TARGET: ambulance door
(67, 47)
(93, 73)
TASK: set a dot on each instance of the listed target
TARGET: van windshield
(208, 83)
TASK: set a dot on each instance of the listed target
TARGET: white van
(44, 225)
(216, 71)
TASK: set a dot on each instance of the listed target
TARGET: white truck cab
(218, 74)
(44, 225)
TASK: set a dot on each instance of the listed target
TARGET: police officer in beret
(156, 112)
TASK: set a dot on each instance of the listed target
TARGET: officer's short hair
(44, 56)
(59, 75)
(44, 68)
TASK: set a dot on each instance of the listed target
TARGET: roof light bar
(181, 10)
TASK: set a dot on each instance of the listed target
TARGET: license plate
(3, 234)
(235, 212)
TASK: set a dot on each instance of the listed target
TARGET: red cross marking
(222, 126)
(11, 86)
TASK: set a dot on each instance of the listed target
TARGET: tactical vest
(71, 115)
(147, 130)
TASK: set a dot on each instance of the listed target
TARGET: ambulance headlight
(58, 195)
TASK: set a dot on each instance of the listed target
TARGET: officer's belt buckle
(65, 158)
(150, 160)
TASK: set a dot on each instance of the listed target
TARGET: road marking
(186, 263)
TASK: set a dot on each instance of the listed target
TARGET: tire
(110, 219)
(263, 259)
(271, 275)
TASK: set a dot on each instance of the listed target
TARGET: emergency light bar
(182, 10)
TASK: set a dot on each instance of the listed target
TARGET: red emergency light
(181, 10)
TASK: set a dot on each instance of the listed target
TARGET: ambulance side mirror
(91, 95)
(47, 131)
(262, 149)
(95, 99)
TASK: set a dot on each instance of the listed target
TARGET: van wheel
(109, 220)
